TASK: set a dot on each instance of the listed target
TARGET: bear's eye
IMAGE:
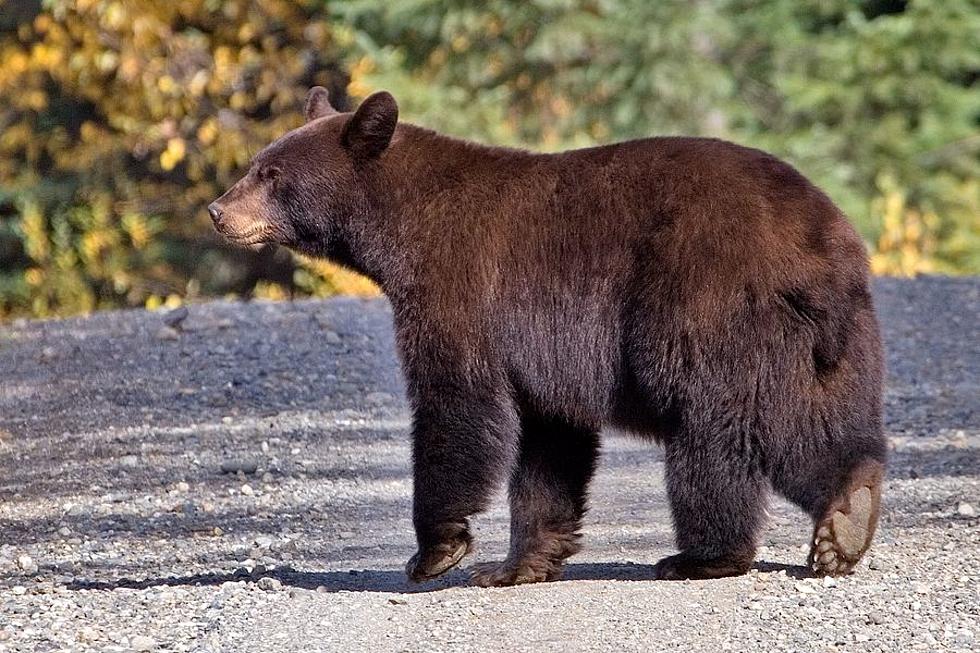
(269, 174)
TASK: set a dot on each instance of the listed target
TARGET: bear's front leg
(464, 440)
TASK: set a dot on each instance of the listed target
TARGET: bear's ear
(370, 129)
(318, 104)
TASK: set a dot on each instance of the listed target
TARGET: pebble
(239, 466)
(247, 490)
(829, 581)
(18, 590)
(332, 337)
(167, 333)
(129, 460)
(183, 486)
(27, 564)
(269, 584)
(142, 643)
(175, 318)
(876, 617)
(965, 509)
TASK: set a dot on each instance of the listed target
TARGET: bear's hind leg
(717, 498)
(847, 526)
(547, 501)
(844, 499)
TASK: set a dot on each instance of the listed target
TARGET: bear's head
(299, 189)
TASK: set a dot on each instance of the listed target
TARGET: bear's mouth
(257, 235)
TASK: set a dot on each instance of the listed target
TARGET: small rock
(236, 466)
(264, 542)
(142, 643)
(183, 486)
(175, 318)
(964, 636)
(876, 617)
(167, 333)
(398, 601)
(247, 490)
(18, 590)
(829, 581)
(130, 460)
(805, 588)
(269, 584)
(964, 509)
(88, 634)
(64, 531)
(27, 564)
(346, 535)
(332, 337)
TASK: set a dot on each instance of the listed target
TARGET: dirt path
(125, 526)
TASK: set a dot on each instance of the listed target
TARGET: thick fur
(693, 291)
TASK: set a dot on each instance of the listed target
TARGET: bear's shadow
(395, 581)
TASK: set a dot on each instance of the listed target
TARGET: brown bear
(699, 293)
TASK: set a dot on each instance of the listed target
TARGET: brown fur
(691, 290)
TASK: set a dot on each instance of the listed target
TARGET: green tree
(877, 101)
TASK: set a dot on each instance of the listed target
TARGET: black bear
(690, 290)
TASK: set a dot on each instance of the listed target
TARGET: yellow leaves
(174, 154)
(246, 32)
(46, 56)
(36, 99)
(269, 291)
(907, 242)
(207, 132)
(155, 302)
(88, 131)
(139, 229)
(15, 62)
(167, 85)
(35, 228)
(198, 84)
(358, 86)
(34, 276)
(321, 279)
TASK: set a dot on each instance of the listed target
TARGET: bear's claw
(433, 562)
(515, 572)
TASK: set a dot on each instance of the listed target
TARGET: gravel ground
(242, 484)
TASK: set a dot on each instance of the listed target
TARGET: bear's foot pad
(845, 532)
(437, 560)
(683, 566)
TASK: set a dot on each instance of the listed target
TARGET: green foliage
(121, 119)
(877, 101)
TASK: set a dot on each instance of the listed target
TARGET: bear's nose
(215, 212)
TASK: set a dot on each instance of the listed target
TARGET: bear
(691, 291)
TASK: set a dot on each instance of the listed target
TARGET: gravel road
(241, 484)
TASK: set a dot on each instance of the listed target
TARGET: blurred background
(121, 119)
